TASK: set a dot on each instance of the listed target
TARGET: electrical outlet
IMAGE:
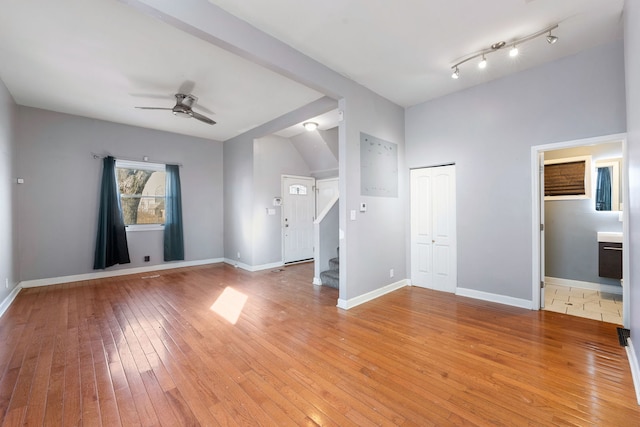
(6, 282)
(391, 273)
(238, 255)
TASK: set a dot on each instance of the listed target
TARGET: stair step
(334, 263)
(330, 278)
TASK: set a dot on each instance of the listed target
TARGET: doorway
(298, 213)
(567, 272)
(433, 228)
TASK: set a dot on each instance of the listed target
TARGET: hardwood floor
(157, 349)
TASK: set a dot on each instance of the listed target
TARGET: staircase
(331, 277)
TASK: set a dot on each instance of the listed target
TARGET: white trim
(134, 164)
(369, 296)
(144, 227)
(317, 281)
(9, 299)
(612, 289)
(252, 268)
(113, 273)
(497, 298)
(635, 368)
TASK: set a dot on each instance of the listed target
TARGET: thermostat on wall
(277, 201)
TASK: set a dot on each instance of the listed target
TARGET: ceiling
(69, 56)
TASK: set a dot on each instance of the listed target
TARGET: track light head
(551, 39)
(514, 51)
(483, 63)
(455, 74)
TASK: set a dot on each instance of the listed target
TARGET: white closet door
(433, 228)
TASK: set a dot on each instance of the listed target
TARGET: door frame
(284, 192)
(536, 208)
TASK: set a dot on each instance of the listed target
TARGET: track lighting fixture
(310, 126)
(513, 52)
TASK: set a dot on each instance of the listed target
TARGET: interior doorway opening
(546, 286)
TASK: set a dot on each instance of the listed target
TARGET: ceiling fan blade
(202, 118)
(153, 108)
(203, 109)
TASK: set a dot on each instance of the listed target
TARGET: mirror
(607, 185)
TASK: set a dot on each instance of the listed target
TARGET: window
(567, 178)
(298, 189)
(141, 187)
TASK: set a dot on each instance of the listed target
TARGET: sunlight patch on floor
(229, 305)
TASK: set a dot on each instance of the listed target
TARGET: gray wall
(58, 203)
(238, 200)
(316, 148)
(632, 65)
(273, 156)
(571, 226)
(488, 132)
(8, 200)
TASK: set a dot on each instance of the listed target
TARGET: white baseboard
(9, 299)
(252, 268)
(500, 299)
(635, 367)
(113, 273)
(347, 304)
(583, 285)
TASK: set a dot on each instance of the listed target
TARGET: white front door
(433, 228)
(298, 209)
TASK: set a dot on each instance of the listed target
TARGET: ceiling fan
(184, 108)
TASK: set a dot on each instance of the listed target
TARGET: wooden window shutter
(564, 179)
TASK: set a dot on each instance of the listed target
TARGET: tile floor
(587, 303)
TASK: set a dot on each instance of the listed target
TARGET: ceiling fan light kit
(551, 39)
(184, 108)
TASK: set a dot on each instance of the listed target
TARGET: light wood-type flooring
(215, 345)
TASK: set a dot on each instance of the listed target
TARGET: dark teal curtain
(173, 238)
(603, 190)
(111, 242)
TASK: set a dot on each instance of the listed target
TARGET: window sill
(145, 227)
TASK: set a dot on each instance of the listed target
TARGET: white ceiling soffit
(404, 50)
(101, 58)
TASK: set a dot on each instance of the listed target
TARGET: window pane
(142, 195)
(298, 189)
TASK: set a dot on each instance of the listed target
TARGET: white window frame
(587, 177)
(156, 167)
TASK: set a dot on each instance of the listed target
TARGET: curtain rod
(144, 159)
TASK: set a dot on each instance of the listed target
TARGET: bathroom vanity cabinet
(610, 260)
